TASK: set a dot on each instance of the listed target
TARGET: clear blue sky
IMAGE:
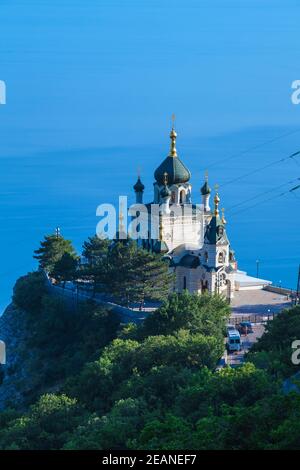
(100, 73)
(91, 86)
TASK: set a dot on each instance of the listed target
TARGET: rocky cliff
(13, 333)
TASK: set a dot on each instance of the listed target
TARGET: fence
(235, 320)
(73, 297)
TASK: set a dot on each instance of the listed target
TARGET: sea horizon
(64, 187)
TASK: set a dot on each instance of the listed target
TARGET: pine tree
(65, 269)
(126, 271)
(95, 250)
(52, 248)
(136, 274)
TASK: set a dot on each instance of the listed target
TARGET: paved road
(258, 302)
(237, 358)
(127, 315)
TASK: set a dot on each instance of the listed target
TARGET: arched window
(182, 196)
(221, 257)
(206, 256)
(173, 197)
(184, 282)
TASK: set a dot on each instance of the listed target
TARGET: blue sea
(63, 188)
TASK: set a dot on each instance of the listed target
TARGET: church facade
(192, 236)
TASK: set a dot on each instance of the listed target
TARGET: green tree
(65, 269)
(159, 387)
(95, 250)
(134, 274)
(95, 386)
(46, 425)
(63, 342)
(123, 269)
(206, 314)
(97, 381)
(112, 431)
(243, 386)
(273, 350)
(29, 291)
(52, 248)
(164, 433)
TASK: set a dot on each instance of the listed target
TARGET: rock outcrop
(13, 373)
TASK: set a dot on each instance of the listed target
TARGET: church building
(192, 236)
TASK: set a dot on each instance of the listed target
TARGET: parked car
(245, 327)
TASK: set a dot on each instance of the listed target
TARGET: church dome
(205, 189)
(139, 187)
(172, 166)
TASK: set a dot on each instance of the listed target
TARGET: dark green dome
(205, 189)
(172, 166)
(139, 187)
(176, 170)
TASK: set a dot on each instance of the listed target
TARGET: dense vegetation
(103, 385)
(119, 268)
(273, 350)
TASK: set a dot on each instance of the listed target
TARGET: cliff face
(12, 332)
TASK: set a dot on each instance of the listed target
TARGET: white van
(233, 341)
(230, 328)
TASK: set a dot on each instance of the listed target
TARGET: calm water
(39, 192)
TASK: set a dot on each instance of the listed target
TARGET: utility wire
(250, 149)
(291, 191)
(262, 194)
(281, 160)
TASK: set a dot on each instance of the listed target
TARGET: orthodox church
(192, 236)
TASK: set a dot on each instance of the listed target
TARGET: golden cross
(173, 120)
(216, 187)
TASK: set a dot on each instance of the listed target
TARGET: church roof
(176, 170)
(172, 166)
(139, 187)
(215, 231)
(189, 261)
(205, 189)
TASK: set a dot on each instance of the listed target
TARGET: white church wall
(181, 231)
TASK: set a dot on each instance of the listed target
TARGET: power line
(262, 194)
(267, 200)
(255, 147)
(281, 160)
